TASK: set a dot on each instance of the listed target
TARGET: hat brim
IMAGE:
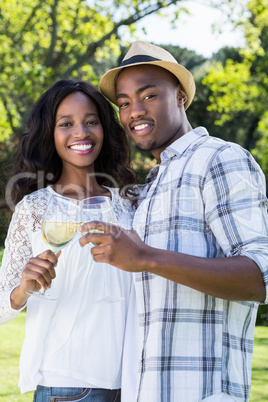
(107, 82)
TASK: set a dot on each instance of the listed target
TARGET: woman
(74, 148)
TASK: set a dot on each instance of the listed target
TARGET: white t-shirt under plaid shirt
(206, 198)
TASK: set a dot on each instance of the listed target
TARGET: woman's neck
(79, 186)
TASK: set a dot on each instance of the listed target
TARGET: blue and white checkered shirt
(206, 198)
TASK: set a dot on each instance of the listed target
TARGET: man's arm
(232, 278)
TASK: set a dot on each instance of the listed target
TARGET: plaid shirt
(206, 198)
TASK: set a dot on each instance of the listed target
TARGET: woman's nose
(80, 130)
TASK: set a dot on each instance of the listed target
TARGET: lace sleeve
(123, 208)
(18, 250)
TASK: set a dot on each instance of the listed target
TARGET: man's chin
(146, 146)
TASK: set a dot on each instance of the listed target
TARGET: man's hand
(116, 246)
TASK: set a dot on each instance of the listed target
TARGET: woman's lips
(81, 147)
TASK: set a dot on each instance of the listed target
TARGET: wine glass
(59, 224)
(100, 208)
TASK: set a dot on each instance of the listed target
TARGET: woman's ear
(181, 96)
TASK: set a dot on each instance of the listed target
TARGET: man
(200, 261)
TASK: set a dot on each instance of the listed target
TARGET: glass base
(42, 294)
(110, 299)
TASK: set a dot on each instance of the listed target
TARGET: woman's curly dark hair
(38, 164)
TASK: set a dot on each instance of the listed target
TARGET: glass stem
(106, 280)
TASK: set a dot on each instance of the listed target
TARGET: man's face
(151, 107)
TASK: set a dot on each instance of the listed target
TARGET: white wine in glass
(58, 235)
(59, 225)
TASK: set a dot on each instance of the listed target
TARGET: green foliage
(232, 89)
(6, 158)
(238, 87)
(142, 164)
(262, 317)
(256, 30)
(42, 42)
(1, 254)
(260, 152)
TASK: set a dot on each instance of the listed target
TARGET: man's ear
(181, 96)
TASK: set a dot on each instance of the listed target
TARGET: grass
(11, 338)
(259, 383)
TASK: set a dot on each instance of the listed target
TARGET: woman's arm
(20, 272)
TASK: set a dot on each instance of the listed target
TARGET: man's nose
(137, 110)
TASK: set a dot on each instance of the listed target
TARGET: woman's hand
(38, 272)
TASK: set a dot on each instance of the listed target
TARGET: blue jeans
(58, 394)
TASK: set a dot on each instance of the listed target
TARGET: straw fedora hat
(146, 53)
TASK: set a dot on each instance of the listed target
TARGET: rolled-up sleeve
(236, 206)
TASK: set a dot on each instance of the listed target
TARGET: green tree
(42, 42)
(238, 87)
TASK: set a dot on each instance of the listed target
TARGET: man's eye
(149, 97)
(124, 104)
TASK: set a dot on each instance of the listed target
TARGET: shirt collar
(182, 143)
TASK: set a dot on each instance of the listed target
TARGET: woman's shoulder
(32, 206)
(121, 204)
(37, 197)
(122, 200)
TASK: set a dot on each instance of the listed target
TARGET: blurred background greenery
(42, 42)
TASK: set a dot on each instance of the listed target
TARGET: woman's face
(78, 132)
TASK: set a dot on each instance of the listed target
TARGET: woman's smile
(82, 147)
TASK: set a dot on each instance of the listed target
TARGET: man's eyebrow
(122, 95)
(144, 88)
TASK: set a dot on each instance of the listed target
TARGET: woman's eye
(92, 123)
(65, 124)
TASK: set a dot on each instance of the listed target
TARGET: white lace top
(72, 340)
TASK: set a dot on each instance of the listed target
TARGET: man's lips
(141, 128)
